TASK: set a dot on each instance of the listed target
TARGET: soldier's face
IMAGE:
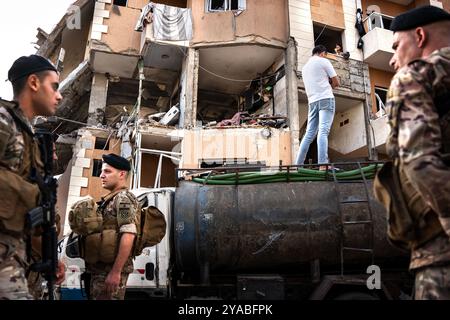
(109, 177)
(47, 97)
(405, 49)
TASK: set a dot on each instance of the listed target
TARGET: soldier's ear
(421, 37)
(33, 82)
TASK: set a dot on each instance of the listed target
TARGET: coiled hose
(301, 174)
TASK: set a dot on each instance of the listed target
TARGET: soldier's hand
(112, 282)
(60, 273)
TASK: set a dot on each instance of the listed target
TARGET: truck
(275, 234)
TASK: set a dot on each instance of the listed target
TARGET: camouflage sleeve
(5, 133)
(126, 214)
(420, 140)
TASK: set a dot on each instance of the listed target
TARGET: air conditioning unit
(171, 117)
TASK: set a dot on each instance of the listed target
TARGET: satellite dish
(373, 8)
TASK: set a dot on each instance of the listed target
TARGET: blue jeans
(320, 118)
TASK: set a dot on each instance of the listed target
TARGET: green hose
(300, 175)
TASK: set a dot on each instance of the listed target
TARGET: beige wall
(121, 37)
(264, 19)
(378, 78)
(236, 143)
(387, 7)
(349, 137)
(74, 43)
(328, 12)
(301, 28)
(137, 4)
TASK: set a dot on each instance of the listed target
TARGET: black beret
(25, 66)
(117, 162)
(418, 17)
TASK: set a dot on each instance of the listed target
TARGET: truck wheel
(355, 295)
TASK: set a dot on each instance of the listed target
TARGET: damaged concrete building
(204, 83)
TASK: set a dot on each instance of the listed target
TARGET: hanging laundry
(169, 23)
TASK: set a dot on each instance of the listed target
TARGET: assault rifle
(43, 216)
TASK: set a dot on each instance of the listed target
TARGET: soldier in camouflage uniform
(415, 186)
(35, 85)
(119, 210)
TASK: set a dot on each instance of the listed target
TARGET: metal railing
(174, 156)
(206, 173)
(375, 20)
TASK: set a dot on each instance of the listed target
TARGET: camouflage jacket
(120, 213)
(13, 158)
(419, 117)
(12, 145)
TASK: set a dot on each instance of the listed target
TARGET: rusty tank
(279, 227)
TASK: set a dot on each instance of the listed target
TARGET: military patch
(124, 213)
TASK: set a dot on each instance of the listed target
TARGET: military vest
(18, 194)
(100, 247)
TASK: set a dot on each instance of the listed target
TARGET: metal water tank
(277, 226)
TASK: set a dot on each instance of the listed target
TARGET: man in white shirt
(320, 79)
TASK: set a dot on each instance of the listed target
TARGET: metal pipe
(139, 160)
(160, 151)
(137, 167)
(158, 173)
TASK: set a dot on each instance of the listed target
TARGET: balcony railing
(148, 36)
(378, 20)
(378, 41)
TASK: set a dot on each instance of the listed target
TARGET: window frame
(242, 5)
(377, 105)
(324, 30)
(95, 168)
(126, 4)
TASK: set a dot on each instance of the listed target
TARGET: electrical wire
(73, 121)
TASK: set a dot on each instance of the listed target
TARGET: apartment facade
(204, 83)
(360, 126)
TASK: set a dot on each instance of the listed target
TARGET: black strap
(442, 103)
(102, 204)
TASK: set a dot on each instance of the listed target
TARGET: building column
(292, 96)
(371, 146)
(97, 102)
(189, 111)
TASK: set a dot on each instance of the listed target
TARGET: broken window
(327, 37)
(97, 168)
(224, 5)
(101, 143)
(122, 3)
(380, 97)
